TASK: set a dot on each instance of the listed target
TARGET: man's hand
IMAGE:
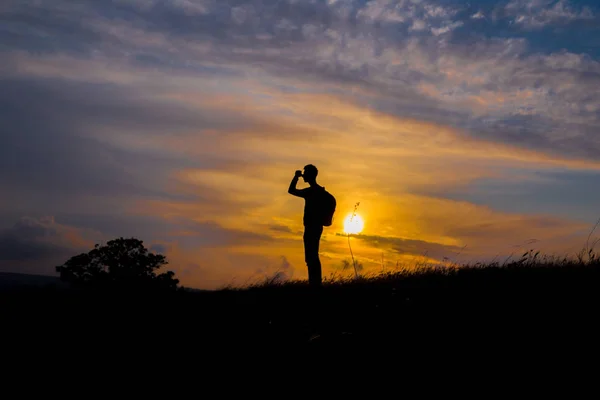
(292, 190)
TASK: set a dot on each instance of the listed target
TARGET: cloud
(418, 25)
(409, 246)
(158, 248)
(69, 154)
(181, 121)
(540, 13)
(35, 245)
(143, 5)
(447, 28)
(280, 228)
(485, 89)
(211, 234)
(205, 201)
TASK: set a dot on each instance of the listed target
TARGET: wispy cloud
(31, 241)
(478, 15)
(540, 13)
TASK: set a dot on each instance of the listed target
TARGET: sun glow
(353, 224)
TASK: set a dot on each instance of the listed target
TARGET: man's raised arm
(292, 190)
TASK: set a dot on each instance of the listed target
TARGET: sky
(466, 131)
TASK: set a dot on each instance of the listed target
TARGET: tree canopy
(120, 263)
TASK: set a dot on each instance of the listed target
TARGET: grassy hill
(11, 281)
(529, 307)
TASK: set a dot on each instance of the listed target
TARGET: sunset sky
(465, 130)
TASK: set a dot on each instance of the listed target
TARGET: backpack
(327, 204)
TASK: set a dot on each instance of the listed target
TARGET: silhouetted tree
(121, 263)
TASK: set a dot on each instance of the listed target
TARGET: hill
(492, 312)
(11, 280)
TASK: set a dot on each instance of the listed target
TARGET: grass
(534, 305)
(349, 245)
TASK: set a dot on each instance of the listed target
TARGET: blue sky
(181, 122)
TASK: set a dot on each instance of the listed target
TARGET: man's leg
(312, 237)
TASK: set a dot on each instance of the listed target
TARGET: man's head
(310, 173)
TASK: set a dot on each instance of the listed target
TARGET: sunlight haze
(353, 224)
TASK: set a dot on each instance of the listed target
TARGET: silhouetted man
(313, 221)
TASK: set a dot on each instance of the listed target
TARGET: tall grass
(349, 246)
(532, 258)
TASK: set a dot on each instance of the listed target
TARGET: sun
(353, 225)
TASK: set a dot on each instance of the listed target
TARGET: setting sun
(353, 225)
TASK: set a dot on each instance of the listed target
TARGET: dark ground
(504, 318)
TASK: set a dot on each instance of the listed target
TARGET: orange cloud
(364, 155)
